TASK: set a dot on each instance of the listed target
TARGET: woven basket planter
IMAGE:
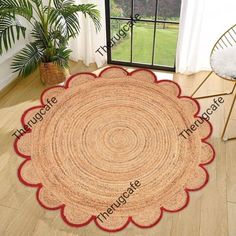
(52, 74)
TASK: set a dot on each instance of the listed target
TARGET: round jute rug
(109, 149)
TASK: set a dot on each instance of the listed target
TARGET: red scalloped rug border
(130, 219)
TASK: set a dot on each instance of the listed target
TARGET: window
(151, 40)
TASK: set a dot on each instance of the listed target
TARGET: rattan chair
(226, 41)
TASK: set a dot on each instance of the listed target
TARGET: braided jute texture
(107, 131)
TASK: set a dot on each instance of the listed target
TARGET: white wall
(6, 75)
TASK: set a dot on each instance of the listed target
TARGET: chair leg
(202, 83)
(227, 122)
(214, 95)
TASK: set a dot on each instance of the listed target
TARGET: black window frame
(131, 63)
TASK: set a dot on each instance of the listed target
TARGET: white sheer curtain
(84, 46)
(202, 22)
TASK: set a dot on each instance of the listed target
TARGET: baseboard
(7, 84)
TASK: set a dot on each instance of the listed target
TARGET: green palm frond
(59, 4)
(67, 22)
(16, 7)
(66, 18)
(37, 2)
(54, 16)
(59, 39)
(92, 12)
(27, 60)
(8, 28)
(62, 56)
(39, 36)
(70, 11)
(70, 24)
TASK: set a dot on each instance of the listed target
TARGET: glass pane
(143, 42)
(120, 40)
(169, 10)
(166, 41)
(145, 8)
(120, 8)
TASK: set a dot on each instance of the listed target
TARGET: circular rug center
(120, 139)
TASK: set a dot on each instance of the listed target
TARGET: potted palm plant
(50, 26)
